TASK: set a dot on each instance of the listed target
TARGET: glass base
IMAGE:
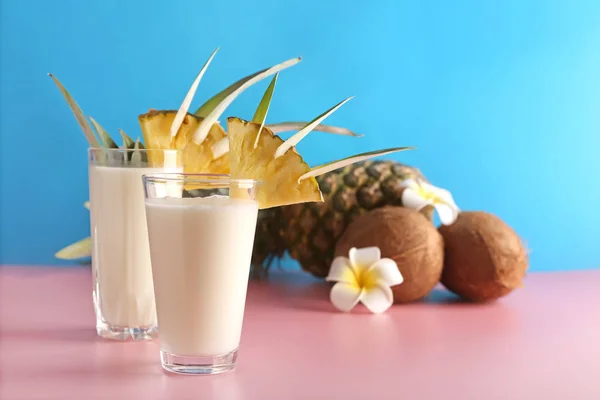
(198, 365)
(125, 333)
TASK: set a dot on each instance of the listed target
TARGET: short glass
(122, 274)
(201, 229)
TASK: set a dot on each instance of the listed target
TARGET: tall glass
(201, 230)
(123, 291)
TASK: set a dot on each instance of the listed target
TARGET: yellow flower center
(427, 195)
(364, 278)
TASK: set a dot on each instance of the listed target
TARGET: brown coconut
(407, 237)
(484, 257)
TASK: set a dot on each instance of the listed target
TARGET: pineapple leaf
(128, 142)
(139, 144)
(104, 136)
(260, 116)
(298, 136)
(294, 126)
(216, 105)
(263, 107)
(185, 106)
(220, 148)
(87, 129)
(138, 157)
(324, 168)
(80, 249)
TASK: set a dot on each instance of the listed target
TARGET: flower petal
(386, 271)
(410, 183)
(378, 298)
(447, 214)
(442, 194)
(364, 258)
(345, 296)
(412, 199)
(341, 271)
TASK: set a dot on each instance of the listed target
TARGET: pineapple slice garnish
(155, 125)
(257, 153)
(284, 176)
(197, 158)
(278, 177)
(200, 158)
(202, 139)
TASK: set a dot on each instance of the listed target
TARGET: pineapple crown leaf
(260, 115)
(128, 142)
(220, 148)
(105, 138)
(137, 157)
(87, 129)
(281, 127)
(205, 109)
(298, 136)
(231, 93)
(324, 168)
(80, 249)
(187, 101)
(138, 144)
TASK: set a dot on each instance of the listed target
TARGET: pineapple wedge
(202, 139)
(280, 176)
(156, 124)
(197, 158)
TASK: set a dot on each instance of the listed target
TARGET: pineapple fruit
(294, 215)
(309, 232)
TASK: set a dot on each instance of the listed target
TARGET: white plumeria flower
(364, 277)
(419, 194)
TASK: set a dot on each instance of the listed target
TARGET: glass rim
(119, 149)
(198, 178)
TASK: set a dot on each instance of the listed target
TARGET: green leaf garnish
(281, 127)
(104, 136)
(260, 116)
(87, 129)
(211, 104)
(324, 168)
(294, 140)
(80, 249)
(185, 105)
(138, 157)
(128, 142)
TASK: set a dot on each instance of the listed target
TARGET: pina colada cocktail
(123, 290)
(201, 249)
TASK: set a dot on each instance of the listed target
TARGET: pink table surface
(540, 342)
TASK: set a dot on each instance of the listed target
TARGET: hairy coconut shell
(484, 257)
(407, 237)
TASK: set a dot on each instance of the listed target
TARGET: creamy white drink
(123, 288)
(201, 250)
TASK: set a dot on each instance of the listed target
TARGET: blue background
(502, 99)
